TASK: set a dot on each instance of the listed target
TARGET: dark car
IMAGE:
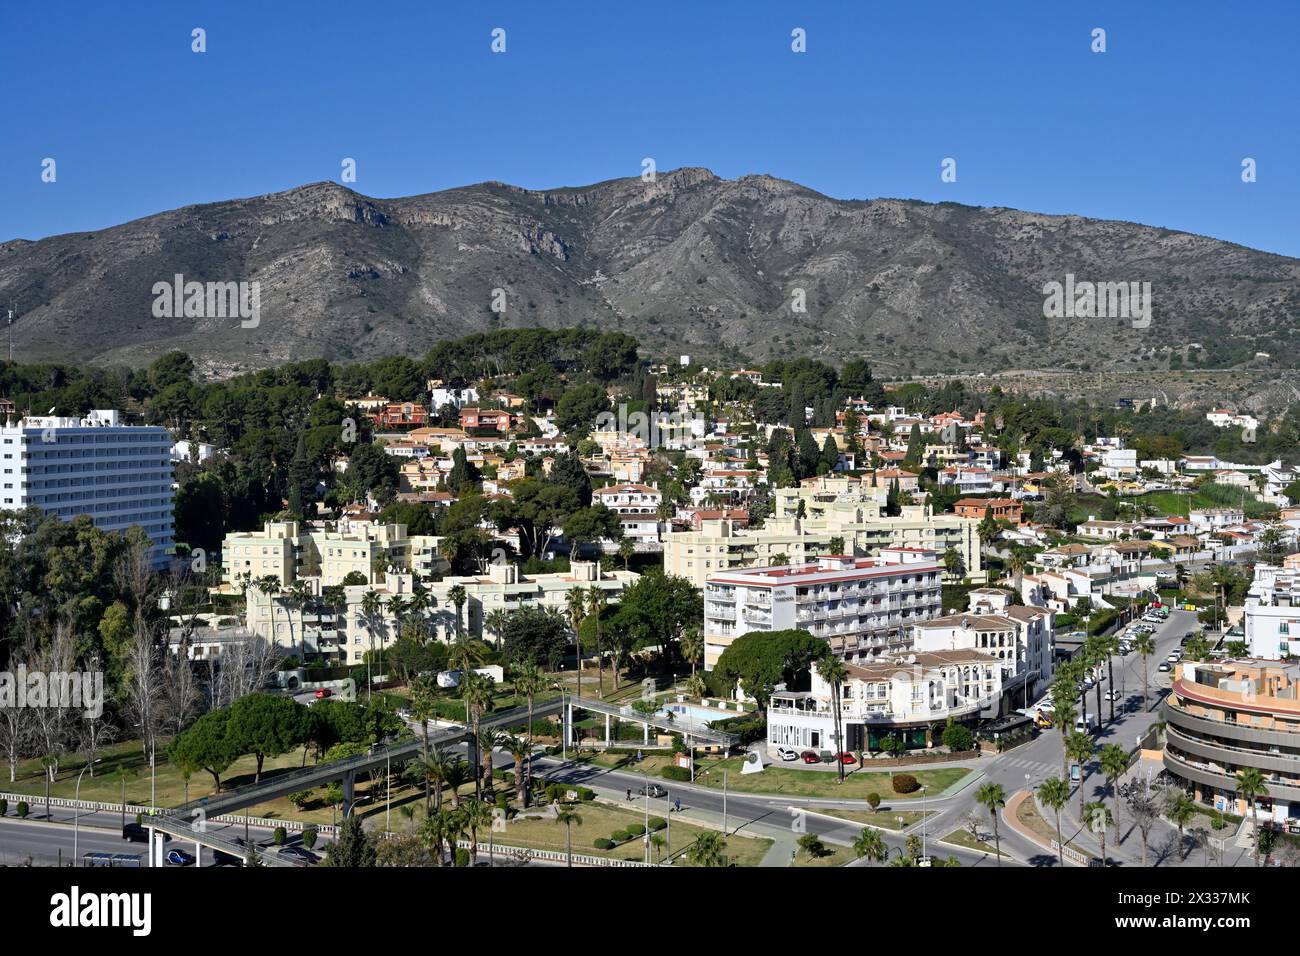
(221, 858)
(810, 756)
(180, 858)
(135, 833)
(299, 854)
(653, 790)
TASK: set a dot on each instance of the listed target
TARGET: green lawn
(964, 839)
(830, 856)
(811, 783)
(885, 818)
(600, 821)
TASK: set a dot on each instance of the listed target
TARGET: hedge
(905, 783)
(680, 774)
(636, 830)
(603, 844)
(658, 823)
(620, 836)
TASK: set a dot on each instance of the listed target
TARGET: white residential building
(1272, 613)
(860, 606)
(118, 474)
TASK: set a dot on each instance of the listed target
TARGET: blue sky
(1153, 130)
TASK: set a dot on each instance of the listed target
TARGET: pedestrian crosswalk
(1035, 767)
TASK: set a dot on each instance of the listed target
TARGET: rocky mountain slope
(690, 263)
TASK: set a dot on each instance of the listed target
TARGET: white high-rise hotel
(118, 474)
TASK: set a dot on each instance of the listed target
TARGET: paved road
(764, 816)
(1030, 764)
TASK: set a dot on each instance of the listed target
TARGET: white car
(1164, 666)
(785, 753)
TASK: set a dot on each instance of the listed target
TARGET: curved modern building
(1224, 717)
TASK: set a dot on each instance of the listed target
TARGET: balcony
(1212, 776)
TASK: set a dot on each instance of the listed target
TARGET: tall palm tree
(692, 645)
(1079, 748)
(433, 834)
(1180, 811)
(518, 748)
(1146, 646)
(832, 670)
(488, 737)
(456, 595)
(530, 682)
(871, 845)
(575, 602)
(1250, 787)
(1113, 762)
(1097, 818)
(1016, 564)
(372, 614)
(1054, 792)
(478, 816)
(297, 596)
(495, 621)
(1063, 715)
(477, 691)
(244, 582)
(568, 817)
(269, 586)
(434, 768)
(993, 798)
(1108, 644)
(595, 604)
(625, 551)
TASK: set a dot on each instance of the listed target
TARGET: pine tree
(353, 847)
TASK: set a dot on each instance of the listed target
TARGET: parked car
(846, 758)
(1164, 666)
(180, 858)
(785, 753)
(323, 692)
(299, 854)
(810, 756)
(654, 791)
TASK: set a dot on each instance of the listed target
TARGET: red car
(847, 757)
(323, 692)
(809, 756)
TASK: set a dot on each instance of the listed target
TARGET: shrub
(139, 819)
(4, 806)
(905, 783)
(309, 837)
(603, 844)
(462, 856)
(958, 738)
(21, 809)
(586, 794)
(657, 823)
(676, 773)
(620, 836)
(873, 799)
(281, 836)
(636, 830)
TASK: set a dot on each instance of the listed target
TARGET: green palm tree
(433, 834)
(269, 587)
(435, 767)
(625, 551)
(297, 596)
(993, 798)
(707, 849)
(568, 817)
(421, 601)
(1181, 810)
(692, 645)
(495, 621)
(477, 816)
(488, 737)
(1054, 792)
(870, 845)
(1079, 748)
(595, 604)
(1250, 787)
(455, 774)
(1097, 818)
(456, 595)
(1063, 715)
(424, 708)
(1146, 646)
(477, 691)
(372, 608)
(530, 682)
(518, 748)
(832, 670)
(1113, 762)
(575, 602)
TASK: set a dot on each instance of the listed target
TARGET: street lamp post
(76, 812)
(724, 803)
(923, 823)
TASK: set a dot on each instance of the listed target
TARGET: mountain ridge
(690, 263)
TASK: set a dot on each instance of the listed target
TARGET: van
(1086, 723)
